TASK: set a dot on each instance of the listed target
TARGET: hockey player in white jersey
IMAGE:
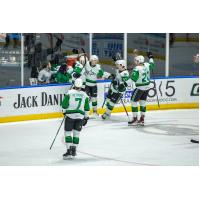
(92, 72)
(117, 87)
(141, 77)
(76, 108)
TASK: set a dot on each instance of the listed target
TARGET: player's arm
(87, 106)
(77, 70)
(151, 61)
(86, 109)
(65, 102)
(100, 73)
(125, 77)
(135, 75)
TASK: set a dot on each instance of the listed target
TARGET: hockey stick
(57, 132)
(156, 89)
(125, 109)
(106, 96)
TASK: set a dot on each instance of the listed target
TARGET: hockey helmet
(94, 57)
(121, 64)
(139, 59)
(78, 83)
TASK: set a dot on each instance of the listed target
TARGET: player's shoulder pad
(98, 66)
(136, 68)
(70, 91)
(124, 73)
(146, 64)
(84, 93)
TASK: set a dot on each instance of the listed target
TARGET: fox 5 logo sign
(195, 90)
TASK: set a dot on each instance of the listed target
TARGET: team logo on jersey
(91, 73)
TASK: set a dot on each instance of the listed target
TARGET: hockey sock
(135, 111)
(76, 137)
(142, 107)
(110, 105)
(68, 139)
(94, 103)
(75, 141)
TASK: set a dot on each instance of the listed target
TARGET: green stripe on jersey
(90, 81)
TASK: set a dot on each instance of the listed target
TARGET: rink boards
(43, 101)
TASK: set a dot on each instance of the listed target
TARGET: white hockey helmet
(94, 57)
(121, 63)
(139, 59)
(78, 83)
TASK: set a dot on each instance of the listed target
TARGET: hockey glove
(122, 87)
(85, 120)
(112, 77)
(76, 75)
(150, 55)
(114, 83)
(125, 84)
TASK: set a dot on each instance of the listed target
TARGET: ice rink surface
(164, 140)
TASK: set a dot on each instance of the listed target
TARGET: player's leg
(142, 103)
(94, 99)
(68, 127)
(134, 106)
(87, 90)
(109, 108)
(84, 82)
(76, 134)
(111, 101)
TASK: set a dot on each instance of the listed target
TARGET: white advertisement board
(47, 99)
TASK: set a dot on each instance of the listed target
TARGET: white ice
(164, 140)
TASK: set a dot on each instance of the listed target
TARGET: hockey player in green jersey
(93, 71)
(79, 71)
(141, 77)
(117, 87)
(62, 76)
(76, 108)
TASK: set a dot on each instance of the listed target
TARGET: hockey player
(92, 72)
(76, 105)
(117, 87)
(79, 70)
(141, 77)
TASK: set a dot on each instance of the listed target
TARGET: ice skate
(67, 155)
(141, 121)
(105, 116)
(73, 151)
(134, 122)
